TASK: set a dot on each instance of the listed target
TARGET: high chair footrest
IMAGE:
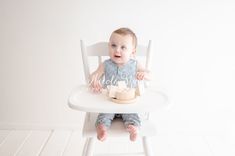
(118, 129)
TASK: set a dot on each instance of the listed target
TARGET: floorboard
(34, 144)
(13, 142)
(56, 144)
(70, 143)
(75, 145)
(3, 135)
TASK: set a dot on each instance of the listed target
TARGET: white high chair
(83, 100)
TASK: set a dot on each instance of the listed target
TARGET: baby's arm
(95, 84)
(142, 73)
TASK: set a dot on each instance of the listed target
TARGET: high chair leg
(85, 148)
(89, 147)
(147, 146)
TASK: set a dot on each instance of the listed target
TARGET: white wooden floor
(70, 143)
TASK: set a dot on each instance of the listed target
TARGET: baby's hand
(140, 75)
(95, 85)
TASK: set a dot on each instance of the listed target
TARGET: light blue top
(113, 73)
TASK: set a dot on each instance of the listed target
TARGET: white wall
(194, 58)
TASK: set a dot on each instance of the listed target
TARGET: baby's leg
(103, 122)
(132, 123)
(133, 130)
(101, 131)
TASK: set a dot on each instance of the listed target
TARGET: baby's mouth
(117, 56)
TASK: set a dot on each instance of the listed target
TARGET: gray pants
(128, 119)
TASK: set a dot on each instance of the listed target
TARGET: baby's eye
(123, 47)
(113, 45)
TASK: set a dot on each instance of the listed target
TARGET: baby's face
(121, 48)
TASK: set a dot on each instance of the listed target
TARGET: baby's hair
(127, 31)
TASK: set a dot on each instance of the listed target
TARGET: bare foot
(101, 132)
(133, 130)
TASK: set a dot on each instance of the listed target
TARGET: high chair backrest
(100, 50)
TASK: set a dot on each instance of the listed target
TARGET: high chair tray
(82, 99)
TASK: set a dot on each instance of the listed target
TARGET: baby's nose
(118, 50)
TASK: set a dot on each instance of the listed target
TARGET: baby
(121, 66)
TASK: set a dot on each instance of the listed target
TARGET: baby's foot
(101, 132)
(133, 130)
